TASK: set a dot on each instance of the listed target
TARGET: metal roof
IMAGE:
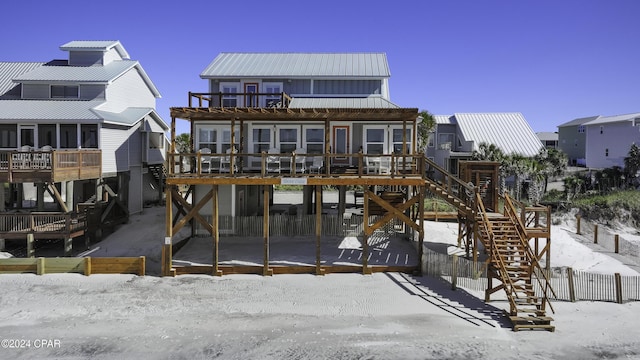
(130, 116)
(509, 131)
(443, 119)
(579, 121)
(95, 45)
(10, 70)
(298, 65)
(372, 102)
(48, 110)
(547, 136)
(612, 119)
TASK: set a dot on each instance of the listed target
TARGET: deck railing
(292, 165)
(13, 224)
(80, 163)
(247, 100)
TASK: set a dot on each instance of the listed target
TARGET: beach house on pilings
(307, 119)
(75, 132)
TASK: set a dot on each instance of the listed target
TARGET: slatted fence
(85, 266)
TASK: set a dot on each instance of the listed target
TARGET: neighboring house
(341, 87)
(572, 140)
(548, 139)
(456, 136)
(609, 139)
(97, 100)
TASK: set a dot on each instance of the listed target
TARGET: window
(226, 140)
(274, 90)
(89, 136)
(581, 129)
(229, 100)
(261, 140)
(47, 135)
(601, 129)
(446, 141)
(374, 141)
(430, 142)
(64, 92)
(8, 136)
(156, 141)
(606, 152)
(314, 140)
(397, 141)
(287, 140)
(207, 138)
(68, 136)
(27, 135)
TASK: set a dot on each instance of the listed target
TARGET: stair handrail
(510, 211)
(493, 251)
(448, 180)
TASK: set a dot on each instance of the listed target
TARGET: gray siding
(115, 149)
(85, 58)
(135, 146)
(92, 92)
(35, 91)
(347, 87)
(129, 90)
(572, 143)
(135, 190)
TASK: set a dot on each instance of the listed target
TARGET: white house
(96, 99)
(609, 138)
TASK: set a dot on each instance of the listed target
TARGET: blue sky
(553, 61)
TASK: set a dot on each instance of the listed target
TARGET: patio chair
(385, 165)
(225, 162)
(372, 164)
(301, 160)
(273, 161)
(205, 160)
(316, 164)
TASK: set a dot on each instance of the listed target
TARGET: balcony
(50, 166)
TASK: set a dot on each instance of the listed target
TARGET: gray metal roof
(579, 121)
(48, 110)
(547, 136)
(509, 131)
(372, 102)
(443, 119)
(95, 45)
(93, 74)
(293, 65)
(130, 116)
(11, 70)
(612, 119)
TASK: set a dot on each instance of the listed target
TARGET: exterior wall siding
(129, 90)
(615, 140)
(572, 143)
(115, 149)
(135, 203)
(35, 91)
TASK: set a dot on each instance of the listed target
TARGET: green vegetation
(618, 205)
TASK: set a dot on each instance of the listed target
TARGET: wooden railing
(292, 164)
(536, 219)
(14, 225)
(54, 165)
(247, 100)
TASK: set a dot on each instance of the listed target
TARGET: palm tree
(426, 125)
(553, 163)
(488, 152)
(632, 162)
(183, 143)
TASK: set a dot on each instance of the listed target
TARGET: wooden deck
(42, 225)
(50, 166)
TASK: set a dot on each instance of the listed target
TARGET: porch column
(319, 270)
(40, 196)
(2, 197)
(342, 200)
(69, 195)
(168, 224)
(423, 191)
(68, 246)
(216, 231)
(365, 233)
(265, 230)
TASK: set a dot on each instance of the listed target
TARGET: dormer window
(64, 92)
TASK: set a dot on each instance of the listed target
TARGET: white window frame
(278, 141)
(253, 142)
(393, 143)
(269, 87)
(230, 85)
(64, 91)
(211, 141)
(385, 138)
(306, 142)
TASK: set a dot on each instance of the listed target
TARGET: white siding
(115, 149)
(129, 90)
(616, 138)
(135, 146)
(111, 55)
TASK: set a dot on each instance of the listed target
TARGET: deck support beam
(168, 223)
(319, 270)
(216, 229)
(365, 234)
(265, 230)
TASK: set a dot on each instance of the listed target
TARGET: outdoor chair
(384, 166)
(316, 164)
(301, 160)
(205, 160)
(372, 164)
(225, 162)
(273, 160)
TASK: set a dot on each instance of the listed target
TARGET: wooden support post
(572, 286)
(266, 271)
(578, 225)
(423, 191)
(87, 266)
(454, 272)
(2, 245)
(168, 223)
(30, 246)
(365, 233)
(40, 266)
(342, 200)
(618, 281)
(40, 196)
(216, 230)
(143, 266)
(548, 256)
(319, 270)
(616, 243)
(595, 234)
(68, 246)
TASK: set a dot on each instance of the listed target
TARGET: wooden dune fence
(568, 284)
(86, 266)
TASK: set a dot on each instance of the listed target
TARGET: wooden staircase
(511, 262)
